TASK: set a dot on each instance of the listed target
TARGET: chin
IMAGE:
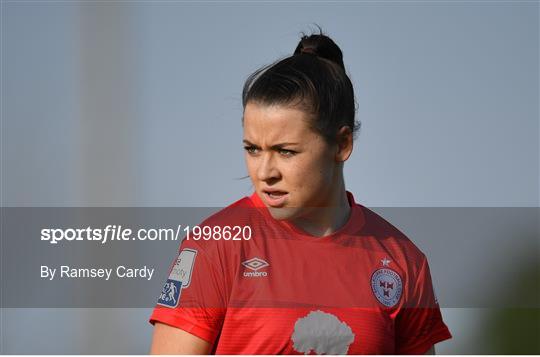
(284, 213)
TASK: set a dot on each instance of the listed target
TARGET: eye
(252, 150)
(287, 153)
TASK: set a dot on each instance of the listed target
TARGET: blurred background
(138, 104)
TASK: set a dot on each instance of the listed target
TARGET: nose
(267, 169)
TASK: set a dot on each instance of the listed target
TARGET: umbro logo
(255, 264)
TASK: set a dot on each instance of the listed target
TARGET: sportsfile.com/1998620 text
(120, 233)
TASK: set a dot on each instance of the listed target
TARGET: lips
(275, 198)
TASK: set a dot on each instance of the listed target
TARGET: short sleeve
(194, 296)
(419, 323)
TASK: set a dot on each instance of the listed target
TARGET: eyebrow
(273, 147)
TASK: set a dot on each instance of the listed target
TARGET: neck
(323, 221)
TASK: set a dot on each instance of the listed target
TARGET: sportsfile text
(110, 233)
(120, 233)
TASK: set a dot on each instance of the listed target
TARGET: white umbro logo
(255, 264)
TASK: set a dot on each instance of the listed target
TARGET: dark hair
(312, 79)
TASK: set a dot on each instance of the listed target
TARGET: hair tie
(308, 50)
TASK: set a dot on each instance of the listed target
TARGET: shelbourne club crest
(386, 286)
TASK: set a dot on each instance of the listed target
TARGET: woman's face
(291, 166)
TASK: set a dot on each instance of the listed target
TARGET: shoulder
(239, 212)
(384, 235)
(220, 231)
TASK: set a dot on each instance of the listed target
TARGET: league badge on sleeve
(386, 286)
(179, 278)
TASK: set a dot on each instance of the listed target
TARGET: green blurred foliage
(516, 330)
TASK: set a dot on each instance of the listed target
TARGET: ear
(344, 140)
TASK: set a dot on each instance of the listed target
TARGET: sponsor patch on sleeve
(179, 278)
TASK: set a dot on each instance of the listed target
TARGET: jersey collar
(353, 225)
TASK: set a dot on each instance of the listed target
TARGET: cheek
(250, 166)
(320, 166)
(310, 174)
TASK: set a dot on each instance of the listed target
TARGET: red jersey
(365, 289)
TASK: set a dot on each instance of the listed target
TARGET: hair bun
(321, 46)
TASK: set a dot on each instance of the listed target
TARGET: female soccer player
(305, 269)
